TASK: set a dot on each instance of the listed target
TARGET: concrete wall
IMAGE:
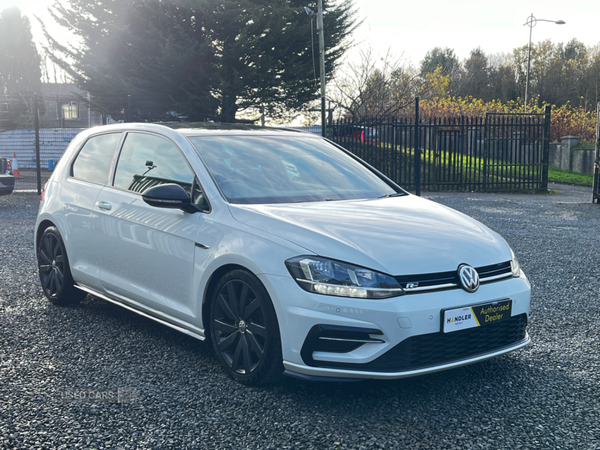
(582, 160)
(563, 156)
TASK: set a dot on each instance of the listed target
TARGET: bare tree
(374, 86)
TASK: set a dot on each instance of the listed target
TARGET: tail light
(43, 190)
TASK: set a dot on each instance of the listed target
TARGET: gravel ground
(543, 397)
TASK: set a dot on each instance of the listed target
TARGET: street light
(532, 22)
(311, 14)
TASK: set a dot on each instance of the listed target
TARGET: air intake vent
(336, 339)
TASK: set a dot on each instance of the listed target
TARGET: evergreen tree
(575, 82)
(145, 48)
(450, 66)
(19, 59)
(503, 83)
(438, 57)
(476, 77)
(256, 52)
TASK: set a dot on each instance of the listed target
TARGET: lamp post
(532, 22)
(321, 34)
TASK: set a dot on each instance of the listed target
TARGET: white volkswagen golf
(288, 253)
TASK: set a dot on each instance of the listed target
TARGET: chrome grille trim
(431, 288)
(359, 341)
(496, 277)
(449, 280)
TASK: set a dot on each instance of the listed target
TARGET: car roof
(185, 130)
(189, 129)
(215, 128)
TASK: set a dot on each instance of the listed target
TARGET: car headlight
(515, 266)
(330, 277)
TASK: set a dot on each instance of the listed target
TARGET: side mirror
(171, 196)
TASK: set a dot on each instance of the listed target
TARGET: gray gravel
(546, 396)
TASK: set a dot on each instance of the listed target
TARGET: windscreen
(270, 169)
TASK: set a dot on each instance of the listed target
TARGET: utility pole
(322, 54)
(532, 22)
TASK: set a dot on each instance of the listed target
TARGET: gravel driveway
(546, 396)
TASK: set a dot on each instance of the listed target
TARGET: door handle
(104, 205)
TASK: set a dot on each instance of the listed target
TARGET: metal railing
(498, 152)
(596, 186)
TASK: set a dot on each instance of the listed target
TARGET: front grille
(494, 270)
(429, 350)
(413, 284)
(428, 281)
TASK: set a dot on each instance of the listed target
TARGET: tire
(54, 271)
(244, 329)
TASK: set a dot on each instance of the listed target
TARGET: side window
(95, 158)
(147, 161)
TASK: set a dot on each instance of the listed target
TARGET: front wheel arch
(244, 329)
(209, 292)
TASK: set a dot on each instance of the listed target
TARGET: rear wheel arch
(54, 268)
(40, 230)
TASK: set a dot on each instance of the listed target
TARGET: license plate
(475, 316)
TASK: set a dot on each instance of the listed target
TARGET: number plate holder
(466, 317)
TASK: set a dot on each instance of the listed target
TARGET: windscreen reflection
(268, 169)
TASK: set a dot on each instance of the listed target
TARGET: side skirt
(150, 314)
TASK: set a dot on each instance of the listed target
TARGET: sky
(409, 29)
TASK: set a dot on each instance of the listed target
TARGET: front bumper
(393, 338)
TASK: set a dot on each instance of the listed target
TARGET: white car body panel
(81, 215)
(148, 241)
(399, 235)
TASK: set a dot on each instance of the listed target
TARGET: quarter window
(95, 158)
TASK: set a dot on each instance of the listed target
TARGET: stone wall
(564, 156)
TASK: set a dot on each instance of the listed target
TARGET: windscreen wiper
(395, 194)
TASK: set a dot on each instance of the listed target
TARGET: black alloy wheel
(53, 267)
(244, 329)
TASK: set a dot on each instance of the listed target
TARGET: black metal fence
(596, 187)
(498, 152)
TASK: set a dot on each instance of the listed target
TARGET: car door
(89, 172)
(148, 252)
